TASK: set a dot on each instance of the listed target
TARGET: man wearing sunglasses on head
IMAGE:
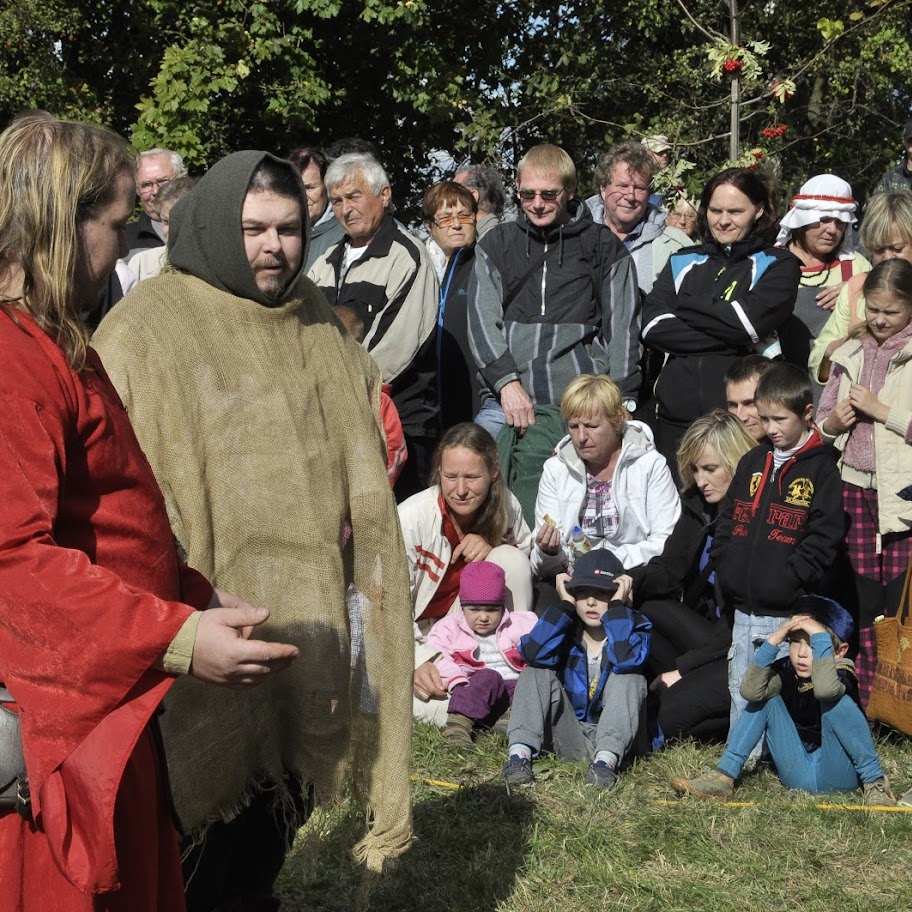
(554, 295)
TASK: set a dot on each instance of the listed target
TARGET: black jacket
(708, 308)
(778, 538)
(676, 574)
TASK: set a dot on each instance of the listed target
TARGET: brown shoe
(878, 793)
(458, 731)
(714, 784)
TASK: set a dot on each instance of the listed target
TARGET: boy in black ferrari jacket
(784, 523)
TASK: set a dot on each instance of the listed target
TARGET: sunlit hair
(54, 176)
(446, 193)
(177, 162)
(891, 278)
(754, 187)
(274, 176)
(589, 394)
(306, 156)
(785, 385)
(886, 214)
(491, 521)
(547, 158)
(631, 153)
(348, 167)
(724, 432)
(750, 367)
(489, 185)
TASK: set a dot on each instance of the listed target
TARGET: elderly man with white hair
(385, 275)
(155, 168)
(815, 229)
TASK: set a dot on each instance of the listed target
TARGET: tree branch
(709, 33)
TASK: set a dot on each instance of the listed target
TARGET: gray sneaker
(517, 772)
(713, 784)
(601, 775)
(878, 793)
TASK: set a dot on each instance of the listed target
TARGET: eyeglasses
(450, 221)
(548, 196)
(149, 185)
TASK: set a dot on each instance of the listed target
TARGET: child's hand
(841, 419)
(807, 624)
(560, 583)
(624, 588)
(779, 636)
(864, 401)
(548, 539)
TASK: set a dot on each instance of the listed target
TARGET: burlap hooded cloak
(260, 420)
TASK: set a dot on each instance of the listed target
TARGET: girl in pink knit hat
(479, 660)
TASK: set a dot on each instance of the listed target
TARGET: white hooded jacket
(644, 492)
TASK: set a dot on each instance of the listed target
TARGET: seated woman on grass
(690, 636)
(807, 707)
(607, 478)
(468, 514)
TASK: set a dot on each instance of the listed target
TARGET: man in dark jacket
(325, 230)
(554, 296)
(900, 177)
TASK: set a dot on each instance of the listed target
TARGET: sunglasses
(548, 196)
(450, 221)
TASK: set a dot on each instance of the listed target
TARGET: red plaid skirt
(861, 540)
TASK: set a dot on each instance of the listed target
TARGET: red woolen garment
(91, 593)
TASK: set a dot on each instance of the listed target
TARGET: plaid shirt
(599, 517)
(554, 642)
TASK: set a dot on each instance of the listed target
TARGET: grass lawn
(563, 847)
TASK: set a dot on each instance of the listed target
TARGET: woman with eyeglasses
(449, 212)
(718, 301)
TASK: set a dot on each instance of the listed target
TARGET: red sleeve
(396, 451)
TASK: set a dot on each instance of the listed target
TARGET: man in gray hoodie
(554, 296)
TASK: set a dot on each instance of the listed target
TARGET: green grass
(562, 847)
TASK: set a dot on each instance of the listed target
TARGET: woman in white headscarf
(815, 229)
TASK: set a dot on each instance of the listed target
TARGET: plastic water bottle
(579, 544)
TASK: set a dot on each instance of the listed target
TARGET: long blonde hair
(722, 431)
(54, 175)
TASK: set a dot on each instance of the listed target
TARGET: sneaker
(906, 800)
(601, 775)
(518, 771)
(878, 793)
(714, 784)
(457, 733)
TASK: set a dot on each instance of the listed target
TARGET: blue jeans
(846, 753)
(491, 417)
(748, 632)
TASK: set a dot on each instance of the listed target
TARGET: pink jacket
(457, 644)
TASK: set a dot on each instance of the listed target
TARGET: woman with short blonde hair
(606, 486)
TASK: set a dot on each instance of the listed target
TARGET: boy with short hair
(580, 695)
(807, 706)
(784, 523)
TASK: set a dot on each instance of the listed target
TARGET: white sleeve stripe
(655, 320)
(748, 326)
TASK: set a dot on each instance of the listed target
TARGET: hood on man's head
(205, 237)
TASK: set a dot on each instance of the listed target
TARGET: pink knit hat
(482, 583)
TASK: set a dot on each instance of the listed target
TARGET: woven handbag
(891, 691)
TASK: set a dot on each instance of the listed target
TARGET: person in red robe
(97, 611)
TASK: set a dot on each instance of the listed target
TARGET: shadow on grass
(469, 847)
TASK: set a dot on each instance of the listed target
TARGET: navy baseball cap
(596, 569)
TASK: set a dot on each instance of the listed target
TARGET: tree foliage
(485, 79)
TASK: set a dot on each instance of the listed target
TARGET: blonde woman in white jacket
(468, 515)
(607, 478)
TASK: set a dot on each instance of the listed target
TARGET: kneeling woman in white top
(467, 515)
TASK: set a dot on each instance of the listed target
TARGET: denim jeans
(845, 756)
(491, 417)
(748, 632)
